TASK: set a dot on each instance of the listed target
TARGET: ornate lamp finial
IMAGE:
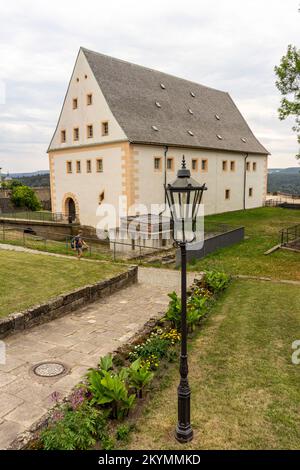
(183, 162)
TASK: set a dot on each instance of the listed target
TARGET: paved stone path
(77, 340)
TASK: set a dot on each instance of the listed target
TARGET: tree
(288, 83)
(23, 196)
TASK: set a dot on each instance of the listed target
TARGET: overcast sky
(231, 45)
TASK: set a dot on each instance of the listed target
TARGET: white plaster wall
(88, 186)
(150, 183)
(84, 114)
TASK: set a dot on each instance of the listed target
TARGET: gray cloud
(230, 45)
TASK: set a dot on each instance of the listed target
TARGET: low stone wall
(213, 243)
(66, 303)
(50, 230)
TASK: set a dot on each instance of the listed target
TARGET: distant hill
(292, 170)
(34, 173)
(35, 179)
(286, 180)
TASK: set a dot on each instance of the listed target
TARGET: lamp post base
(184, 434)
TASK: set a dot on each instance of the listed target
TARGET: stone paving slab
(77, 340)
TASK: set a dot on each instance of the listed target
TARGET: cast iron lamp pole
(184, 197)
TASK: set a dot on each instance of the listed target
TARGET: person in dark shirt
(79, 244)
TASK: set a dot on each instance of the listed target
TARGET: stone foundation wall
(66, 303)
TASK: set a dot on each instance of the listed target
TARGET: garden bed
(102, 410)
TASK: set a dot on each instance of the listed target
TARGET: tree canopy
(23, 196)
(288, 83)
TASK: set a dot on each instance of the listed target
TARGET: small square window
(89, 99)
(169, 163)
(232, 165)
(105, 128)
(224, 165)
(76, 133)
(89, 131)
(75, 103)
(78, 166)
(227, 193)
(250, 192)
(248, 166)
(89, 166)
(157, 163)
(63, 136)
(69, 167)
(194, 164)
(254, 166)
(99, 165)
(204, 165)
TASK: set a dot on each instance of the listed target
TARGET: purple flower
(77, 398)
(57, 415)
(55, 396)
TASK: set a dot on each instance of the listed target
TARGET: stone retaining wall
(66, 303)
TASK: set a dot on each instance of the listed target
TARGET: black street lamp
(184, 196)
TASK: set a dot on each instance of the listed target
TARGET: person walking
(78, 244)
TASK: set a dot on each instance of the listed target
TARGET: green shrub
(75, 429)
(197, 305)
(23, 196)
(139, 376)
(106, 363)
(108, 443)
(110, 389)
(122, 432)
(174, 310)
(216, 281)
(154, 349)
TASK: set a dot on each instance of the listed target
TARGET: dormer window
(89, 99)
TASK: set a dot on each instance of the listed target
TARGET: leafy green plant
(23, 196)
(216, 281)
(75, 430)
(154, 349)
(139, 376)
(174, 310)
(106, 363)
(107, 388)
(123, 432)
(108, 443)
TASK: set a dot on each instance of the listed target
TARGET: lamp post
(184, 196)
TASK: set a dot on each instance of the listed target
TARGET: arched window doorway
(70, 209)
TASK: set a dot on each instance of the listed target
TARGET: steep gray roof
(133, 91)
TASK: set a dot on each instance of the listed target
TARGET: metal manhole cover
(49, 369)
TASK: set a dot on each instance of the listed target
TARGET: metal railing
(289, 235)
(115, 251)
(41, 216)
(108, 250)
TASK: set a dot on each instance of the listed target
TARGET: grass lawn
(245, 389)
(261, 233)
(28, 279)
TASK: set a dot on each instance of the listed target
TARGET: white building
(123, 130)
